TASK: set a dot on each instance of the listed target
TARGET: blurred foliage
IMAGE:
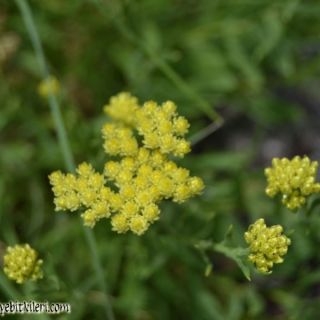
(255, 62)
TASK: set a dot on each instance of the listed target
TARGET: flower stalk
(63, 141)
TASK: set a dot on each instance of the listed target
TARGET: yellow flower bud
(49, 86)
(181, 126)
(21, 263)
(138, 225)
(182, 147)
(267, 245)
(196, 185)
(111, 169)
(122, 107)
(120, 223)
(130, 209)
(151, 212)
(169, 108)
(294, 179)
(85, 169)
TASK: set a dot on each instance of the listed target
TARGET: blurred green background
(257, 63)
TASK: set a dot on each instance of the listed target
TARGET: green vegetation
(246, 76)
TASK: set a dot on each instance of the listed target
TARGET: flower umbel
(294, 179)
(267, 245)
(21, 263)
(142, 138)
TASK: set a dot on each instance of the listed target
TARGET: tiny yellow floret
(120, 223)
(21, 263)
(138, 225)
(267, 245)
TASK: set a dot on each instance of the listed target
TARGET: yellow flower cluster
(162, 129)
(294, 179)
(267, 245)
(160, 126)
(119, 140)
(141, 177)
(48, 86)
(84, 189)
(122, 107)
(21, 263)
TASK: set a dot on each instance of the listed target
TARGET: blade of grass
(63, 141)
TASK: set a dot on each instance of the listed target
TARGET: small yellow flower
(21, 263)
(181, 126)
(49, 86)
(151, 212)
(112, 169)
(140, 177)
(119, 140)
(138, 225)
(267, 245)
(162, 128)
(196, 185)
(120, 223)
(86, 189)
(122, 108)
(294, 179)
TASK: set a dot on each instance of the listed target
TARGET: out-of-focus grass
(255, 62)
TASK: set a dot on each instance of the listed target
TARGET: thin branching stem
(205, 132)
(63, 142)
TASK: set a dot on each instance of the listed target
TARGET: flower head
(267, 245)
(122, 108)
(133, 184)
(162, 128)
(21, 263)
(294, 179)
(119, 140)
(50, 85)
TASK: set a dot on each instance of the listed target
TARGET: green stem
(184, 87)
(205, 132)
(52, 99)
(63, 142)
(99, 271)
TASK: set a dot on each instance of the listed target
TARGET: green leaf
(237, 255)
